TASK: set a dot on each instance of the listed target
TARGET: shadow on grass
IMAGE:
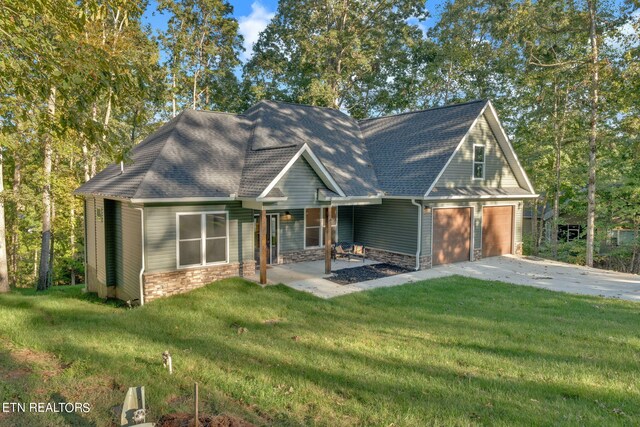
(325, 365)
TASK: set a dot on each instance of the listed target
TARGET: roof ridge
(164, 146)
(424, 110)
(297, 104)
(227, 113)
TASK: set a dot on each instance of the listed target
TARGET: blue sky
(253, 17)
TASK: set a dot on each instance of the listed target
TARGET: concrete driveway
(552, 275)
(541, 273)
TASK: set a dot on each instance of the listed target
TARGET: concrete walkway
(552, 275)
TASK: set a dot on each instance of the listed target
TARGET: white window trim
(574, 227)
(321, 226)
(484, 161)
(203, 239)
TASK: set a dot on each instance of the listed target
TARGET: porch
(310, 276)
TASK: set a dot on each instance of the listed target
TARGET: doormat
(346, 276)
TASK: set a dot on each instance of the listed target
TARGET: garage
(451, 235)
(497, 230)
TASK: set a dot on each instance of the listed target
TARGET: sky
(254, 16)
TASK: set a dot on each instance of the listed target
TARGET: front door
(272, 238)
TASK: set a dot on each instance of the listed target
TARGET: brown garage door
(497, 230)
(451, 235)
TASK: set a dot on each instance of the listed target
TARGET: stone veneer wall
(301, 256)
(157, 285)
(425, 262)
(518, 248)
(402, 260)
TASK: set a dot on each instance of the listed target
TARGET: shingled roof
(202, 154)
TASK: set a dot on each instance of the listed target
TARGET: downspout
(419, 245)
(142, 267)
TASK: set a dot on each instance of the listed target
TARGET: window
(202, 238)
(570, 232)
(314, 226)
(478, 162)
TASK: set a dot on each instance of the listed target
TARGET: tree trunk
(591, 192)
(173, 92)
(93, 165)
(541, 226)
(195, 89)
(50, 275)
(4, 273)
(72, 238)
(15, 235)
(45, 247)
(556, 190)
(534, 228)
(85, 161)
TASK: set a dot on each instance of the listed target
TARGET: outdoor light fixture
(287, 216)
(427, 210)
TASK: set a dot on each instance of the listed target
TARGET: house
(570, 226)
(211, 195)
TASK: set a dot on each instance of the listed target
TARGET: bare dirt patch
(187, 420)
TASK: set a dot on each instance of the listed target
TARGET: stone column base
(425, 262)
(477, 254)
(518, 250)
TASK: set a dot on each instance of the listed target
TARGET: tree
(335, 53)
(202, 45)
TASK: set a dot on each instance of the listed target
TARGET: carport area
(529, 271)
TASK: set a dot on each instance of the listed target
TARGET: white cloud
(251, 26)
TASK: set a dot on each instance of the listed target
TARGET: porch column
(327, 240)
(263, 247)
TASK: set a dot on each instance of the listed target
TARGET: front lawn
(451, 351)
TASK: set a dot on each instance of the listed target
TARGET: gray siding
(160, 233)
(477, 221)
(392, 226)
(100, 244)
(131, 254)
(497, 172)
(300, 184)
(426, 233)
(345, 223)
(90, 244)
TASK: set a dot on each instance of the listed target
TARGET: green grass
(451, 351)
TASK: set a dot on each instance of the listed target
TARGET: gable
(300, 185)
(498, 172)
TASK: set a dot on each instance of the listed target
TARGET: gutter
(142, 267)
(419, 244)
